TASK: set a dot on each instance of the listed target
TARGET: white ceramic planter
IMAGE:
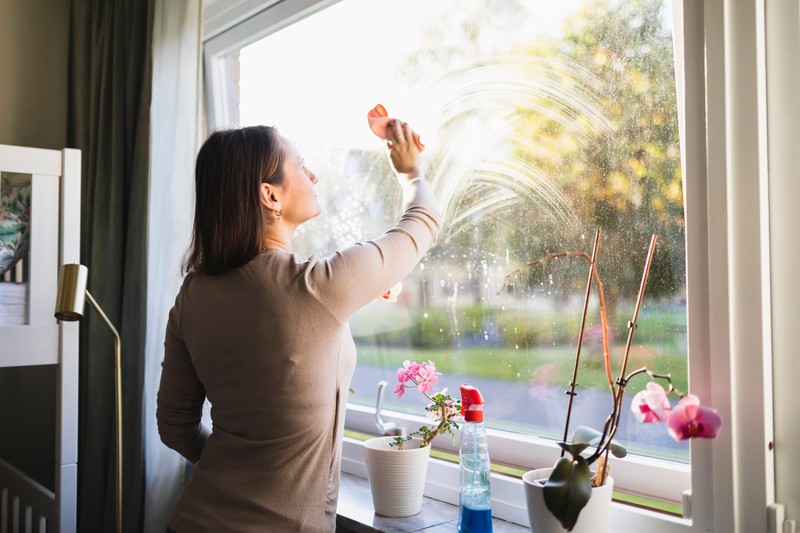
(593, 517)
(396, 477)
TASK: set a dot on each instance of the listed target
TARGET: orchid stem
(623, 379)
(600, 294)
(573, 384)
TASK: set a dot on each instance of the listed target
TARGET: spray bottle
(475, 500)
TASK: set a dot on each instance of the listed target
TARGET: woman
(263, 334)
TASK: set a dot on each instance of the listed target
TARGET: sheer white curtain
(175, 120)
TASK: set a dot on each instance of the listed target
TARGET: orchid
(690, 419)
(651, 405)
(568, 489)
(442, 408)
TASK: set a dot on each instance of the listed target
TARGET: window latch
(385, 428)
(776, 519)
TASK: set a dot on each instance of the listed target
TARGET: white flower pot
(396, 477)
(592, 519)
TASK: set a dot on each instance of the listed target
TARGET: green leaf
(591, 437)
(574, 449)
(399, 441)
(568, 490)
(617, 449)
(585, 435)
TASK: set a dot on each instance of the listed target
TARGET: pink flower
(403, 375)
(426, 377)
(400, 389)
(412, 368)
(441, 410)
(427, 372)
(423, 375)
(689, 419)
(651, 405)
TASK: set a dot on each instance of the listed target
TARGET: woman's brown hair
(229, 219)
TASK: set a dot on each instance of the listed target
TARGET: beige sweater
(268, 344)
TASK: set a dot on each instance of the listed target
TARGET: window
(543, 122)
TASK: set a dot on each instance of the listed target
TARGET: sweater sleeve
(180, 395)
(356, 275)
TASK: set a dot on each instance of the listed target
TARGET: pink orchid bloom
(379, 120)
(400, 389)
(689, 419)
(651, 405)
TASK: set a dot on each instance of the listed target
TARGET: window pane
(543, 121)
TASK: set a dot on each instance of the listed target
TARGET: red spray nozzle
(471, 403)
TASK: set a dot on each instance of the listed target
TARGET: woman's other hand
(402, 151)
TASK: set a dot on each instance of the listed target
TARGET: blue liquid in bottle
(473, 520)
(475, 500)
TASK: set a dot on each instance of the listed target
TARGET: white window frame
(720, 67)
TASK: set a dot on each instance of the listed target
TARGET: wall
(33, 111)
(33, 72)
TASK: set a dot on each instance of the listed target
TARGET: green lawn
(547, 365)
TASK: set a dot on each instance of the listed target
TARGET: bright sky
(316, 79)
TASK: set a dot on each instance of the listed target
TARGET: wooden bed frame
(26, 505)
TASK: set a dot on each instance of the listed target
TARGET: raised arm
(353, 277)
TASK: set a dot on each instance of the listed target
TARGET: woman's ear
(269, 197)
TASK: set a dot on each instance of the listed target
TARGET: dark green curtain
(109, 121)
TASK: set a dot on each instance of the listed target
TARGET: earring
(278, 215)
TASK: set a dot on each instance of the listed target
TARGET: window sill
(355, 513)
(508, 501)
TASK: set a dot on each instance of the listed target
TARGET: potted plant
(397, 466)
(574, 495)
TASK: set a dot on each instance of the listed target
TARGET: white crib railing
(38, 339)
(16, 274)
(25, 505)
(14, 295)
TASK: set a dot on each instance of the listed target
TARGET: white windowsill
(355, 513)
(508, 498)
(659, 479)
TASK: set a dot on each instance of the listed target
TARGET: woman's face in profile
(299, 202)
